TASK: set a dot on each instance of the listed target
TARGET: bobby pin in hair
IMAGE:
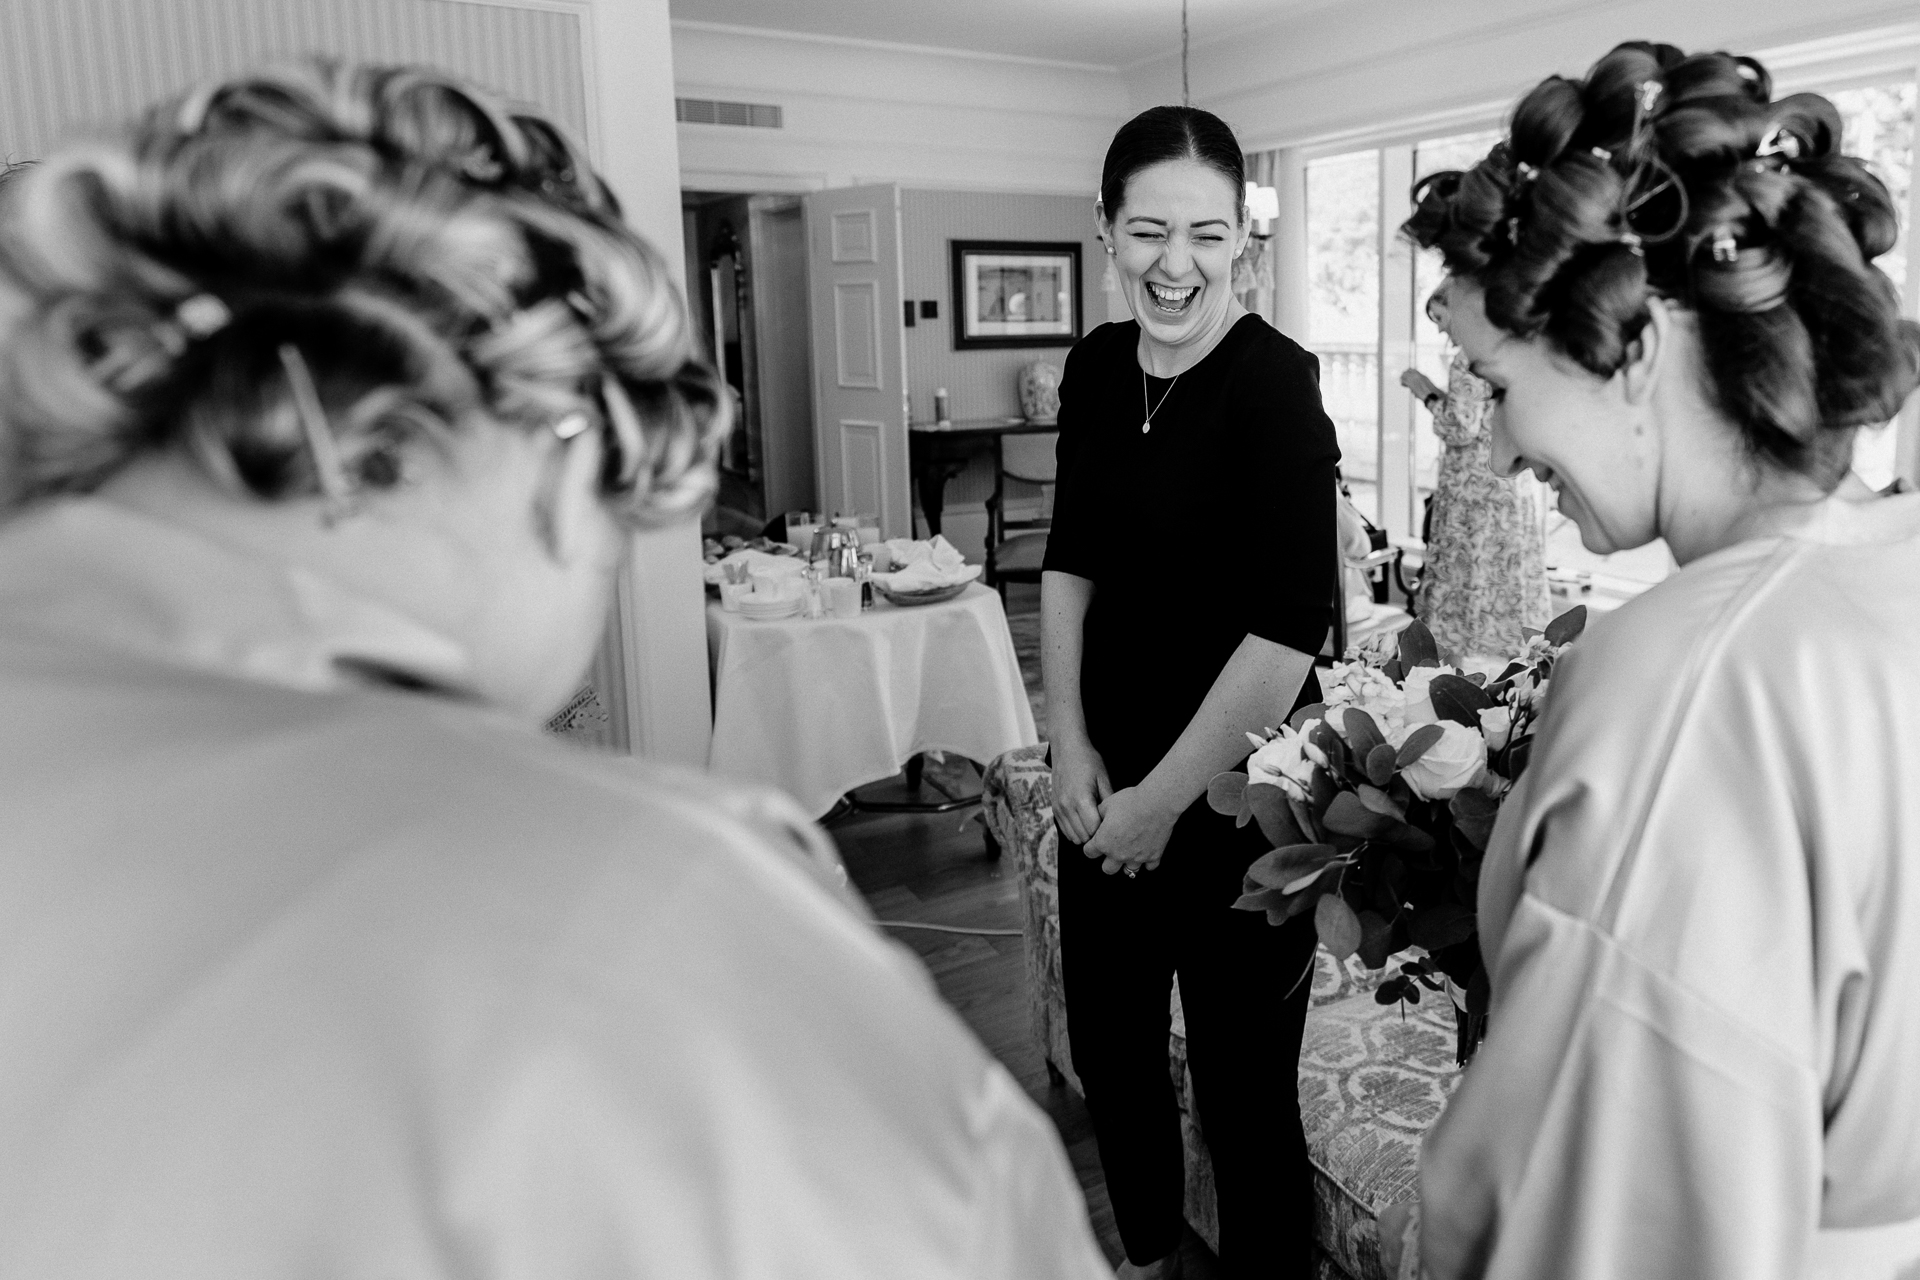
(321, 446)
(1751, 281)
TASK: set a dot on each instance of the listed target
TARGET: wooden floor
(933, 869)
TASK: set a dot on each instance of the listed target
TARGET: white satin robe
(1705, 1052)
(303, 977)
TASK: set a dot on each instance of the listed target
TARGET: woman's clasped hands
(1124, 828)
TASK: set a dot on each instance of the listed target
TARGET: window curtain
(1253, 278)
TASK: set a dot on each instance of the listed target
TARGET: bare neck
(1164, 360)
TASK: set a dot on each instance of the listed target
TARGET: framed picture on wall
(1015, 293)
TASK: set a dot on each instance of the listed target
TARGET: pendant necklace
(1147, 424)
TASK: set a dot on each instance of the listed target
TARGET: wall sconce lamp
(1263, 206)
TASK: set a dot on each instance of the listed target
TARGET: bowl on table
(930, 595)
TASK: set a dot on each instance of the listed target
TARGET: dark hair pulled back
(1159, 134)
(1678, 175)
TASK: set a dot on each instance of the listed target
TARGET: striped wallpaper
(68, 65)
(982, 384)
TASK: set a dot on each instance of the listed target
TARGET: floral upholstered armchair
(1372, 1079)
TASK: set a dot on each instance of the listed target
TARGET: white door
(859, 354)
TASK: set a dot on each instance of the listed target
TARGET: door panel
(859, 354)
(860, 468)
(856, 333)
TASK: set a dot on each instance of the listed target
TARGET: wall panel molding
(74, 66)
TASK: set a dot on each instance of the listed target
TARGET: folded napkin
(757, 562)
(925, 566)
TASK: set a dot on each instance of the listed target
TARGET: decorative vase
(1040, 392)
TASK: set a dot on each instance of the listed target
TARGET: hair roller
(439, 264)
(1702, 190)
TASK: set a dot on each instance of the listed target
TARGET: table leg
(933, 478)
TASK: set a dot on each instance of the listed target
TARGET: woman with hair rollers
(1700, 908)
(330, 399)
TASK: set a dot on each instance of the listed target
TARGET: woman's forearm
(1254, 691)
(1064, 600)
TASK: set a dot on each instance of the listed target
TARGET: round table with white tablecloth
(817, 707)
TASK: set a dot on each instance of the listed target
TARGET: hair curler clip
(202, 316)
(1633, 243)
(324, 450)
(1513, 231)
(1526, 171)
(1777, 142)
(1601, 154)
(1725, 248)
(1648, 95)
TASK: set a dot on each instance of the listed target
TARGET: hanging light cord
(1186, 99)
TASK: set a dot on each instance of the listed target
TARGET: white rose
(1496, 724)
(1417, 693)
(1282, 763)
(1455, 761)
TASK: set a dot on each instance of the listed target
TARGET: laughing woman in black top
(1189, 579)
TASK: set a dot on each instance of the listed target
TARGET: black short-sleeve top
(1217, 524)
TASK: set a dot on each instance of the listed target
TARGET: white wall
(1347, 68)
(859, 111)
(663, 600)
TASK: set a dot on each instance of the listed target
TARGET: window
(1879, 129)
(1343, 308)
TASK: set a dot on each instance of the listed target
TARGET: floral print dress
(1486, 575)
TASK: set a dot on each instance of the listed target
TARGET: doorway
(747, 292)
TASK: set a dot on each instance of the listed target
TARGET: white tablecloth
(817, 708)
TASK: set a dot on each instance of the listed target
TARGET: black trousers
(1121, 942)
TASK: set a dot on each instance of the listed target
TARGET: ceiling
(1103, 33)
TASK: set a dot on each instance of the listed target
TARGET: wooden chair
(1016, 548)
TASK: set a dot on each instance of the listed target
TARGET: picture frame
(1015, 293)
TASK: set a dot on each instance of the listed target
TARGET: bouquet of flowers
(1379, 802)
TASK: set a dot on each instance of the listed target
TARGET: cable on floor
(951, 928)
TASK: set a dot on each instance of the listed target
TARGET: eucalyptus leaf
(1350, 816)
(1312, 711)
(1275, 816)
(1259, 900)
(1442, 925)
(1225, 793)
(1338, 927)
(1418, 743)
(1282, 868)
(1381, 763)
(1302, 818)
(1566, 628)
(1458, 699)
(1394, 670)
(1407, 838)
(1375, 937)
(1417, 648)
(1471, 802)
(1378, 801)
(1363, 734)
(1322, 791)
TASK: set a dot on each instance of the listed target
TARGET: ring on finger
(1132, 872)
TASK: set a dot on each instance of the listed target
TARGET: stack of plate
(768, 608)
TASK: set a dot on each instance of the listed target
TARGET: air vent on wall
(758, 115)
